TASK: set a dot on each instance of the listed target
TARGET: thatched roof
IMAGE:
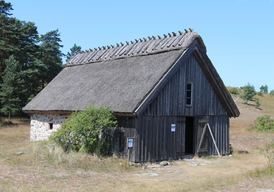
(119, 77)
(140, 47)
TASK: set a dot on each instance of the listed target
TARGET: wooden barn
(162, 90)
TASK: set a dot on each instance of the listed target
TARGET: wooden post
(130, 141)
(127, 156)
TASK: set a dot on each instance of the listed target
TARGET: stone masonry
(41, 126)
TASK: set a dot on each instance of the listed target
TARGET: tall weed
(268, 152)
(53, 155)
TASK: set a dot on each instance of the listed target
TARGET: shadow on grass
(15, 122)
(6, 124)
(248, 104)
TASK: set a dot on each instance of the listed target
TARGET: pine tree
(51, 55)
(12, 88)
(266, 89)
(39, 58)
(249, 93)
(262, 89)
(75, 49)
(257, 104)
(5, 8)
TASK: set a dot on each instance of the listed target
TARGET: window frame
(191, 94)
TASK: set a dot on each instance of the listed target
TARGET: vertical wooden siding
(117, 137)
(220, 130)
(171, 100)
(154, 139)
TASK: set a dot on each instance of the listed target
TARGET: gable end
(210, 72)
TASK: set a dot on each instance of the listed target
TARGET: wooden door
(201, 126)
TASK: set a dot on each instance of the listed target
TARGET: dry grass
(43, 167)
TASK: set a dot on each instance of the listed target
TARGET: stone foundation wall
(40, 125)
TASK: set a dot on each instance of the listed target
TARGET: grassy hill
(248, 111)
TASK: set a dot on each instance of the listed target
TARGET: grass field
(39, 166)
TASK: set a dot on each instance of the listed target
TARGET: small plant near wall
(82, 131)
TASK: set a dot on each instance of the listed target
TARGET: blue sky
(238, 34)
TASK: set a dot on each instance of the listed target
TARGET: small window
(189, 88)
(51, 126)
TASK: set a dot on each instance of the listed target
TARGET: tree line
(28, 61)
(249, 93)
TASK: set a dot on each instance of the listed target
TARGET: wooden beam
(121, 114)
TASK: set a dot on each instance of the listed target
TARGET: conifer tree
(266, 89)
(5, 8)
(51, 55)
(262, 88)
(75, 49)
(39, 58)
(12, 88)
(249, 93)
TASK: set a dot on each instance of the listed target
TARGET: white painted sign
(130, 143)
(173, 127)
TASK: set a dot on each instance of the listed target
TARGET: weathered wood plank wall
(220, 129)
(154, 139)
(171, 100)
(117, 137)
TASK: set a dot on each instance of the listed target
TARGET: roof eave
(68, 112)
(54, 112)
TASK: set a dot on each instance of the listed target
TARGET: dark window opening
(189, 93)
(51, 126)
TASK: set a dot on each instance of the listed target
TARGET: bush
(260, 93)
(264, 123)
(258, 104)
(233, 91)
(249, 93)
(255, 98)
(82, 131)
(271, 93)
